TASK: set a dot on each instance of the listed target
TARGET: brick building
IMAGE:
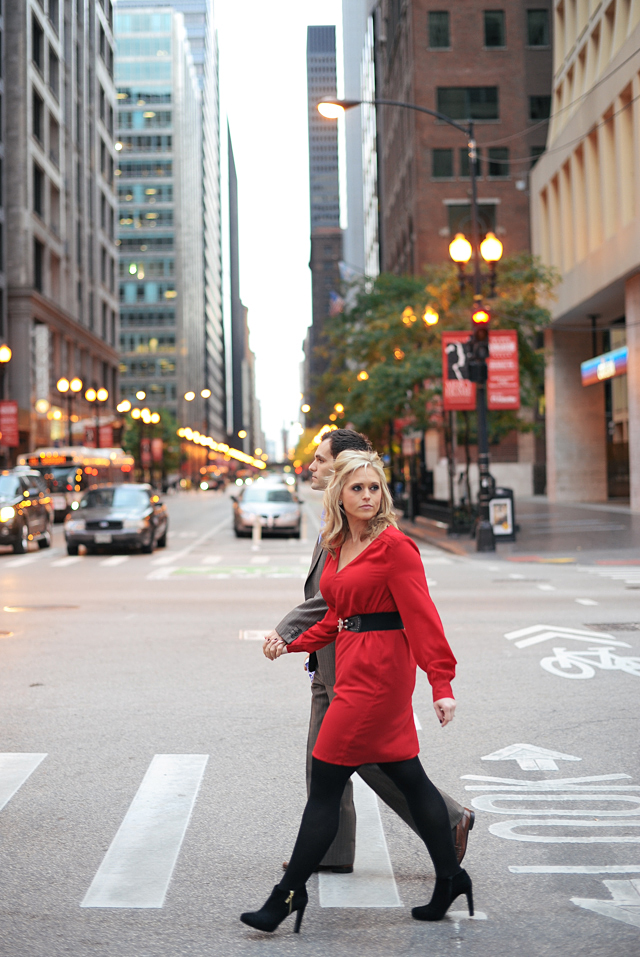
(490, 66)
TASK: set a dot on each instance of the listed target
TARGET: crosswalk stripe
(15, 768)
(69, 560)
(372, 883)
(137, 868)
(211, 559)
(115, 560)
(23, 560)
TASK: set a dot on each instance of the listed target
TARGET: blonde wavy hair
(336, 526)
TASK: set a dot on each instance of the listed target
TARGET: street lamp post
(69, 388)
(97, 396)
(332, 109)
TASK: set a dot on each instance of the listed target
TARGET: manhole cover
(617, 626)
(12, 608)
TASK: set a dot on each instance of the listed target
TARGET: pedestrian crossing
(629, 574)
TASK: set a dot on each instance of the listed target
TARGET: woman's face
(361, 495)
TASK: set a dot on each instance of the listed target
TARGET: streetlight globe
(205, 393)
(305, 408)
(102, 395)
(242, 434)
(363, 375)
(135, 413)
(124, 406)
(76, 384)
(460, 249)
(339, 408)
(189, 396)
(141, 394)
(155, 417)
(491, 248)
(62, 385)
(90, 395)
(430, 317)
(42, 406)
(330, 111)
(5, 353)
(145, 415)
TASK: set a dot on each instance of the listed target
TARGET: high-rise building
(326, 235)
(161, 222)
(60, 265)
(199, 24)
(3, 274)
(492, 66)
(585, 207)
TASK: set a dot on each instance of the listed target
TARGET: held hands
(445, 708)
(274, 646)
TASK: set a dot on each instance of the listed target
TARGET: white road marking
(15, 768)
(260, 560)
(586, 601)
(546, 587)
(160, 574)
(253, 635)
(624, 905)
(530, 757)
(372, 883)
(416, 721)
(457, 915)
(575, 869)
(178, 556)
(211, 559)
(69, 560)
(539, 633)
(436, 560)
(23, 560)
(115, 560)
(506, 830)
(137, 868)
(304, 560)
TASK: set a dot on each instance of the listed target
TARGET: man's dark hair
(348, 440)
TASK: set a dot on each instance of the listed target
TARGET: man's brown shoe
(461, 833)
(327, 868)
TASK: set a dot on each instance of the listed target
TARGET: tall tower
(326, 235)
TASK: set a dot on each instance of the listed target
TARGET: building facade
(469, 63)
(160, 223)
(326, 235)
(585, 196)
(60, 210)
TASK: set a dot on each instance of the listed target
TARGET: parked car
(276, 506)
(132, 516)
(25, 510)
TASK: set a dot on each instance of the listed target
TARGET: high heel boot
(280, 904)
(444, 894)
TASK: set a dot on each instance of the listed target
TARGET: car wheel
(296, 534)
(22, 544)
(147, 547)
(45, 540)
(162, 541)
(72, 549)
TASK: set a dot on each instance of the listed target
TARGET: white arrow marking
(540, 633)
(530, 757)
(625, 905)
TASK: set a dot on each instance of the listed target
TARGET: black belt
(381, 621)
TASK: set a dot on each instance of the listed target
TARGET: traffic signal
(480, 316)
(478, 344)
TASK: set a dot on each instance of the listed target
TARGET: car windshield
(261, 494)
(121, 497)
(9, 486)
(58, 477)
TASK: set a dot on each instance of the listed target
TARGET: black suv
(25, 510)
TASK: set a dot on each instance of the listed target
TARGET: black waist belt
(382, 621)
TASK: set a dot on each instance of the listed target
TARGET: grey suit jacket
(312, 610)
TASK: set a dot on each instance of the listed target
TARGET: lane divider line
(178, 556)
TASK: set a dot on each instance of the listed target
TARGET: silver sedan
(276, 507)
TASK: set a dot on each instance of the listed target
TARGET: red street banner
(503, 385)
(9, 424)
(145, 453)
(458, 393)
(105, 434)
(157, 448)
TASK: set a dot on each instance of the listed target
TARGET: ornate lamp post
(97, 396)
(69, 389)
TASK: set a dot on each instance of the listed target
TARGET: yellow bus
(69, 470)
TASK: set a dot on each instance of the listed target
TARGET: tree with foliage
(166, 429)
(385, 362)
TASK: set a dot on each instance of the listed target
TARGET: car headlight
(7, 513)
(135, 524)
(75, 525)
(246, 516)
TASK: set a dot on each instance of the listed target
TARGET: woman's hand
(274, 646)
(445, 708)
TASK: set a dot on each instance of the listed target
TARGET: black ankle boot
(280, 904)
(444, 894)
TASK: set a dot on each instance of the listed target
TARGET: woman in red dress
(383, 622)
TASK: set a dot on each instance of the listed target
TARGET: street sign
(9, 424)
(530, 757)
(458, 392)
(503, 383)
(606, 366)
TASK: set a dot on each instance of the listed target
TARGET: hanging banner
(9, 424)
(503, 384)
(157, 449)
(145, 453)
(458, 393)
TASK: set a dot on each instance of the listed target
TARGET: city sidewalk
(549, 531)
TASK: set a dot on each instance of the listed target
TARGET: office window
(103, 265)
(1, 256)
(539, 107)
(464, 162)
(1, 182)
(102, 101)
(37, 43)
(54, 141)
(538, 28)
(494, 28)
(37, 118)
(439, 37)
(103, 211)
(54, 14)
(102, 42)
(460, 218)
(54, 73)
(38, 265)
(469, 102)
(442, 164)
(38, 190)
(535, 153)
(498, 161)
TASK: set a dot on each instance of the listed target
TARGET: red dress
(370, 719)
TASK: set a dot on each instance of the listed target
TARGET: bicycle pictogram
(582, 664)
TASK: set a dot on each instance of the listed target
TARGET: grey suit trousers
(343, 849)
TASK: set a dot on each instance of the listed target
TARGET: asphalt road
(152, 761)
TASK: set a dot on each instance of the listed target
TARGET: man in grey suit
(340, 856)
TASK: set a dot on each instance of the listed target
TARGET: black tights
(319, 823)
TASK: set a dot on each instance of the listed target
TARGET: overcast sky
(264, 93)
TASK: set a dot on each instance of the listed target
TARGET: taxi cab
(25, 510)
